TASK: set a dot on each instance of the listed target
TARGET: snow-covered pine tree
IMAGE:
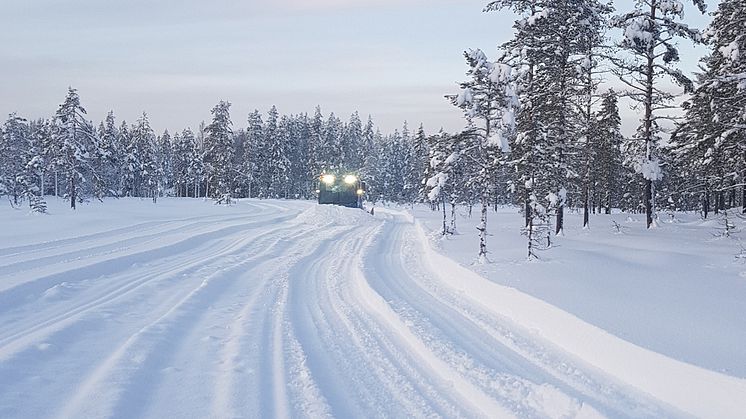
(316, 161)
(130, 163)
(165, 162)
(373, 172)
(144, 143)
(180, 165)
(240, 185)
(697, 146)
(21, 163)
(443, 158)
(394, 162)
(13, 149)
(489, 102)
(252, 148)
(351, 142)
(552, 53)
(43, 141)
(264, 152)
(42, 136)
(196, 163)
(591, 22)
(411, 179)
(280, 166)
(33, 179)
(708, 143)
(650, 31)
(522, 53)
(365, 151)
(330, 156)
(112, 158)
(219, 153)
(301, 176)
(420, 168)
(76, 138)
(606, 140)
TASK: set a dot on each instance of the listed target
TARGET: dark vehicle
(346, 191)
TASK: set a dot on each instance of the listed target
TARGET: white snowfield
(288, 309)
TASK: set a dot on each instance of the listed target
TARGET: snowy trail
(294, 310)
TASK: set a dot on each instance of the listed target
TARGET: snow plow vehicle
(346, 191)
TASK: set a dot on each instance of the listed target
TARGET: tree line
(275, 156)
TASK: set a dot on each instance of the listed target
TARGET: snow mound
(322, 215)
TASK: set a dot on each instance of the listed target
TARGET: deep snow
(286, 309)
(678, 289)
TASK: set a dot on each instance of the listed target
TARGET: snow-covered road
(288, 309)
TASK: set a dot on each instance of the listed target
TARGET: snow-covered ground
(288, 309)
(679, 290)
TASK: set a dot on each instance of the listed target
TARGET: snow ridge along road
(289, 309)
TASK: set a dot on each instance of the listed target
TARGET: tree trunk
(445, 217)
(72, 191)
(453, 218)
(649, 83)
(483, 228)
(608, 202)
(648, 200)
(560, 219)
(721, 200)
(528, 208)
(586, 206)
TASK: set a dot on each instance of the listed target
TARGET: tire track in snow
(364, 364)
(30, 330)
(204, 355)
(87, 328)
(75, 252)
(250, 372)
(253, 208)
(18, 289)
(29, 261)
(270, 362)
(493, 352)
(140, 356)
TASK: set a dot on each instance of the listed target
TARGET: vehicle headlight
(328, 179)
(350, 179)
(360, 191)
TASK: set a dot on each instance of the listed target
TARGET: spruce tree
(76, 138)
(219, 153)
(252, 148)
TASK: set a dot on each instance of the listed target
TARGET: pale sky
(174, 59)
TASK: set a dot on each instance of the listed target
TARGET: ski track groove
(176, 243)
(29, 249)
(394, 364)
(29, 260)
(134, 353)
(126, 284)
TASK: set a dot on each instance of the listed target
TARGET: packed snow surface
(289, 309)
